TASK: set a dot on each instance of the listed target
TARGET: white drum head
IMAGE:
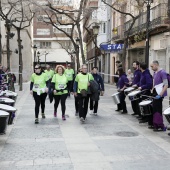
(134, 93)
(129, 89)
(7, 100)
(115, 94)
(3, 113)
(7, 108)
(144, 103)
(167, 111)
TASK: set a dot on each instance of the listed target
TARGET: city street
(109, 141)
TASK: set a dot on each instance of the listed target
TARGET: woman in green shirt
(59, 84)
(39, 90)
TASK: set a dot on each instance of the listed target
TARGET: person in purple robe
(122, 83)
(135, 84)
(160, 85)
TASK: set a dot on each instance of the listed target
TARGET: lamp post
(148, 2)
(96, 32)
(38, 56)
(35, 49)
(77, 53)
(8, 26)
(45, 57)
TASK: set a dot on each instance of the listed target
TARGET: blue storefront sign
(111, 47)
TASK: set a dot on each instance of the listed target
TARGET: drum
(116, 98)
(166, 113)
(134, 95)
(11, 94)
(3, 121)
(6, 100)
(146, 107)
(128, 90)
(11, 110)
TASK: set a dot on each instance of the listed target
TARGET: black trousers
(76, 104)
(94, 105)
(70, 87)
(122, 104)
(60, 99)
(83, 105)
(39, 100)
(135, 106)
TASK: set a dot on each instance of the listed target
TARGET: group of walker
(146, 93)
(59, 84)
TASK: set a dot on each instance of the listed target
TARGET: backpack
(94, 86)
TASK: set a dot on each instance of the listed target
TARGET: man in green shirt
(81, 85)
(69, 72)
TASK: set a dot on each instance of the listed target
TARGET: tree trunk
(20, 59)
(81, 43)
(8, 48)
(124, 54)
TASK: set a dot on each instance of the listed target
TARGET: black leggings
(57, 99)
(39, 99)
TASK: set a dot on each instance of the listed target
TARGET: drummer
(159, 92)
(145, 85)
(122, 82)
(135, 83)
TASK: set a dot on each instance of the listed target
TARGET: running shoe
(43, 115)
(55, 114)
(63, 117)
(36, 121)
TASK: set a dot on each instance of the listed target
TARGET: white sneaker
(91, 112)
(95, 114)
(81, 119)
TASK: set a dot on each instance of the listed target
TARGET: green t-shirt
(60, 83)
(39, 82)
(49, 73)
(83, 80)
(69, 74)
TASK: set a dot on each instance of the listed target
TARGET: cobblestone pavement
(109, 141)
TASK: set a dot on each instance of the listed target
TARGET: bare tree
(22, 13)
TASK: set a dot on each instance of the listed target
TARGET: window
(43, 31)
(104, 28)
(62, 2)
(68, 30)
(45, 44)
(41, 18)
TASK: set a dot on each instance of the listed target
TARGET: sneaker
(63, 117)
(81, 119)
(95, 114)
(43, 115)
(55, 114)
(91, 112)
(76, 113)
(36, 121)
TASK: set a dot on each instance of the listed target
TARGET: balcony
(119, 33)
(158, 17)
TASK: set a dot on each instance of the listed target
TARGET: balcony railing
(119, 34)
(158, 14)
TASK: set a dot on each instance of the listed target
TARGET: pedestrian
(122, 84)
(99, 80)
(160, 86)
(39, 90)
(116, 77)
(59, 85)
(145, 85)
(130, 76)
(135, 84)
(50, 74)
(81, 91)
(69, 72)
(76, 98)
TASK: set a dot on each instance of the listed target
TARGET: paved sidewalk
(109, 141)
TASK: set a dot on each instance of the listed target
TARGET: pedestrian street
(108, 141)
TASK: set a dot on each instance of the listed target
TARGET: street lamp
(148, 2)
(35, 49)
(96, 32)
(45, 57)
(38, 56)
(77, 52)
